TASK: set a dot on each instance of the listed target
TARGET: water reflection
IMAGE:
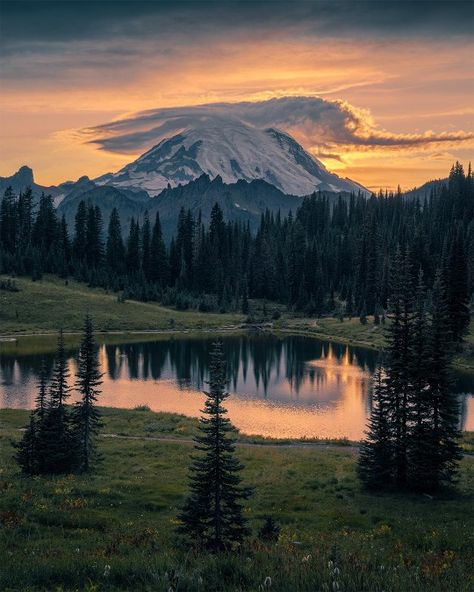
(282, 387)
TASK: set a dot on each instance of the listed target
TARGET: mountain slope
(425, 190)
(234, 151)
(244, 201)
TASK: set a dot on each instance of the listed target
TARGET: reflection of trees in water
(268, 358)
(265, 359)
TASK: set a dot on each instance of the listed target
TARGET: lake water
(280, 386)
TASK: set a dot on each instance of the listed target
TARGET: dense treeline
(333, 256)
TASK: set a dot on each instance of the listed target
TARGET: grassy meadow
(114, 529)
(45, 306)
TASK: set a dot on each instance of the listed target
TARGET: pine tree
(398, 362)
(133, 249)
(8, 221)
(80, 235)
(457, 288)
(85, 416)
(57, 442)
(419, 402)
(146, 255)
(42, 396)
(159, 271)
(29, 455)
(212, 515)
(443, 455)
(375, 466)
(26, 450)
(115, 250)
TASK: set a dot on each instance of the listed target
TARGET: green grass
(114, 529)
(352, 331)
(47, 305)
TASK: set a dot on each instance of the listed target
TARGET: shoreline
(459, 363)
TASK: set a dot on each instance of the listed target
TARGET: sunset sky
(381, 92)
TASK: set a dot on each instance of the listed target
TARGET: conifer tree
(42, 396)
(457, 287)
(419, 402)
(80, 233)
(375, 466)
(26, 450)
(133, 249)
(85, 415)
(57, 440)
(398, 362)
(159, 272)
(212, 515)
(29, 454)
(115, 250)
(146, 239)
(443, 453)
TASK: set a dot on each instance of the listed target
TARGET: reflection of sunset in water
(291, 387)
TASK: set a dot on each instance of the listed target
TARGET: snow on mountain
(233, 150)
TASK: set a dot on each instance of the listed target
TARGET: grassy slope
(42, 307)
(61, 533)
(47, 305)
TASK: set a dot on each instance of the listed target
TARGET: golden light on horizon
(35, 116)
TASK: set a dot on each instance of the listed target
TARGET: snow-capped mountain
(234, 151)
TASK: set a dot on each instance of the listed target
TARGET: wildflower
(106, 571)
(306, 558)
(330, 564)
(267, 582)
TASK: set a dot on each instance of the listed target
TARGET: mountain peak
(24, 175)
(232, 150)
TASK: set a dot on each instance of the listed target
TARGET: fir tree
(57, 440)
(159, 272)
(26, 450)
(85, 416)
(443, 452)
(375, 466)
(419, 401)
(42, 396)
(115, 250)
(212, 515)
(398, 362)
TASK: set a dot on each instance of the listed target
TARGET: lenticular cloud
(316, 122)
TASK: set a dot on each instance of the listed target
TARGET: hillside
(46, 306)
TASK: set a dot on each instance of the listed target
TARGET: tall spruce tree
(159, 272)
(115, 250)
(375, 466)
(85, 415)
(443, 452)
(212, 515)
(27, 449)
(419, 403)
(398, 381)
(57, 441)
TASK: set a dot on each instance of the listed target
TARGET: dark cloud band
(25, 22)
